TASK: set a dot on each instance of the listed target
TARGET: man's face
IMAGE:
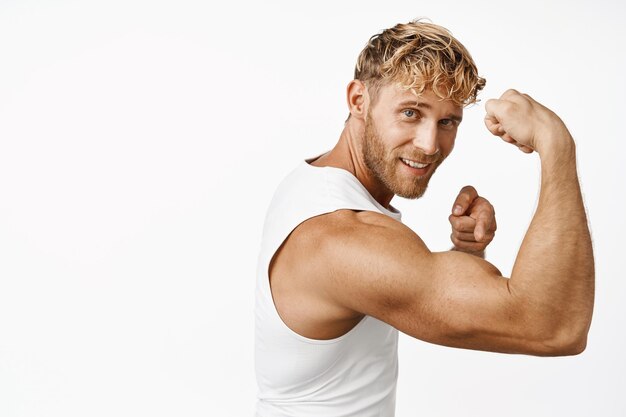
(407, 137)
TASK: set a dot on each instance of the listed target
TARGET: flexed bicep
(381, 268)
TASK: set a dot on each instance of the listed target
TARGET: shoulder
(344, 239)
(336, 247)
(344, 226)
(357, 255)
(326, 273)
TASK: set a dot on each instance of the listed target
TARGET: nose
(426, 139)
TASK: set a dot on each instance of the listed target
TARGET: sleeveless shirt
(353, 375)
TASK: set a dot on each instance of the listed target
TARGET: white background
(141, 141)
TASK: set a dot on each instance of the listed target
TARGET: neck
(347, 154)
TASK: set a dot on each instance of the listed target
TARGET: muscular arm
(380, 267)
(371, 264)
(554, 269)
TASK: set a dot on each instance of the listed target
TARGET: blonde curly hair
(420, 55)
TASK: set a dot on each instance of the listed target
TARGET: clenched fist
(522, 121)
(473, 221)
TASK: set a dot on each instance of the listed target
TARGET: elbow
(556, 334)
(565, 344)
(570, 348)
(580, 347)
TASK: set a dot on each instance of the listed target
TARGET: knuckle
(510, 92)
(468, 188)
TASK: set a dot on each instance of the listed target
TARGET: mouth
(414, 164)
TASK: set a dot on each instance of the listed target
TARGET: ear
(358, 99)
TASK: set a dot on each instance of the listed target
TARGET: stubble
(383, 163)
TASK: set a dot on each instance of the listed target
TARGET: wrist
(556, 142)
(479, 253)
(557, 149)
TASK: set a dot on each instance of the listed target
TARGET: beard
(383, 164)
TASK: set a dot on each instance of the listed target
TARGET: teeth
(414, 164)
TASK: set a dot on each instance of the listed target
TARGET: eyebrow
(414, 103)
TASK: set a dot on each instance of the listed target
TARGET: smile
(413, 164)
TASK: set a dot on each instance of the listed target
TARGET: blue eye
(409, 113)
(447, 122)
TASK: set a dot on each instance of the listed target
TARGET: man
(339, 274)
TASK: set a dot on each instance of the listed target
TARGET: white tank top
(353, 375)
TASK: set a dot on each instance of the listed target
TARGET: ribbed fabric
(353, 375)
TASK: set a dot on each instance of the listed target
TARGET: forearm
(553, 275)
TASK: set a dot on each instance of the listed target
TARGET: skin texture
(335, 268)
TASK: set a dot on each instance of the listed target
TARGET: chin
(413, 190)
(411, 195)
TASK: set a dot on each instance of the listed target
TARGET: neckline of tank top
(393, 212)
